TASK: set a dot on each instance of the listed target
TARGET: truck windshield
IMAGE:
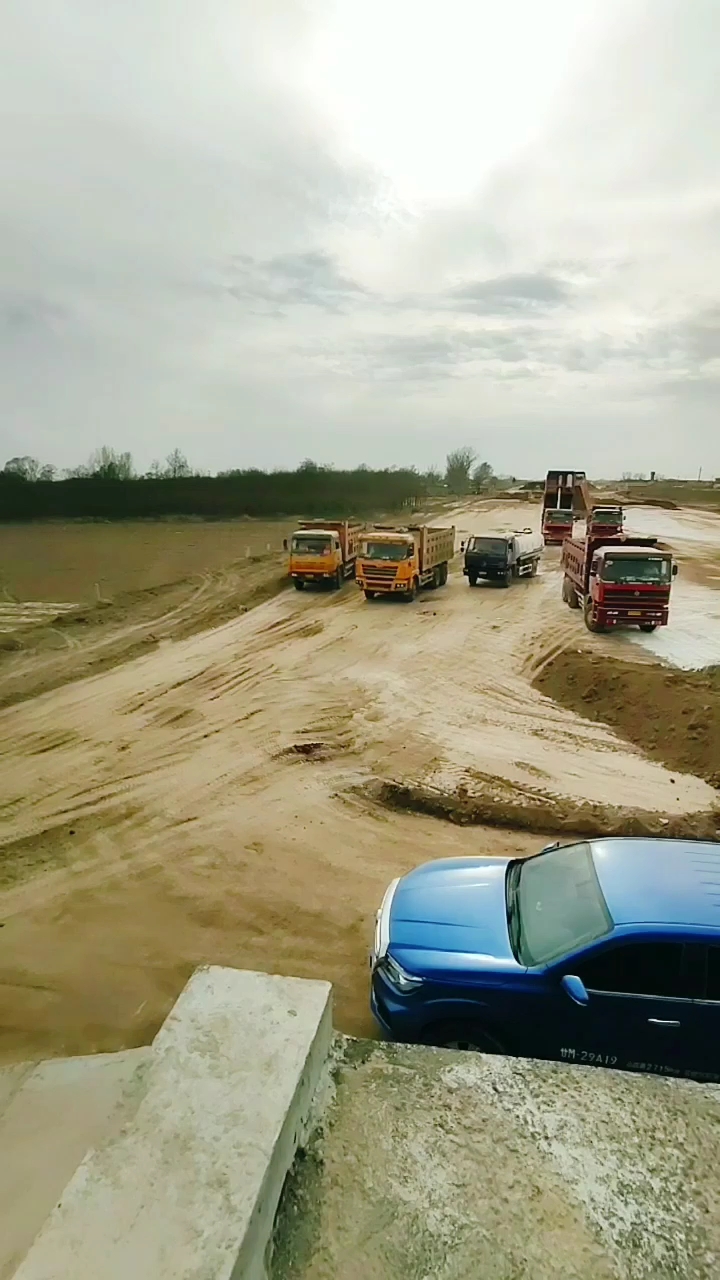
(387, 550)
(492, 546)
(555, 904)
(559, 517)
(310, 545)
(606, 517)
(636, 569)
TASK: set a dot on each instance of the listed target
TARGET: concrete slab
(50, 1114)
(189, 1189)
(445, 1166)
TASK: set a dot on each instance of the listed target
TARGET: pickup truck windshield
(641, 569)
(492, 546)
(307, 545)
(556, 904)
(387, 550)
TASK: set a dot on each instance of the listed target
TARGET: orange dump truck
(403, 560)
(324, 552)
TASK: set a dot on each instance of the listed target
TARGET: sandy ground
(164, 813)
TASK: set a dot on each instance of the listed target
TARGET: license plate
(634, 613)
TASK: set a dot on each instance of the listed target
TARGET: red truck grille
(630, 598)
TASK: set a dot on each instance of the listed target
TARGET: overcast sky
(362, 231)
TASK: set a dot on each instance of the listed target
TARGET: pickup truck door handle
(663, 1022)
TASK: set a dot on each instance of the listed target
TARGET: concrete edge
(192, 1184)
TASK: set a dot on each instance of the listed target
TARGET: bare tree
(177, 466)
(458, 466)
(107, 464)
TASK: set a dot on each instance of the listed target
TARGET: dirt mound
(498, 804)
(673, 716)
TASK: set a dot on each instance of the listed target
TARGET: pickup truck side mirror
(575, 988)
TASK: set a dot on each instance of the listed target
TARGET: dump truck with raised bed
(401, 561)
(500, 557)
(566, 497)
(618, 582)
(605, 520)
(324, 552)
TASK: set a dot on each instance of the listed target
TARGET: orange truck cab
(401, 561)
(323, 552)
(618, 582)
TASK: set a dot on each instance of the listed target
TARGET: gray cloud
(310, 279)
(510, 294)
(192, 256)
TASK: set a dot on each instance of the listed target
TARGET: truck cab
(316, 556)
(557, 525)
(607, 520)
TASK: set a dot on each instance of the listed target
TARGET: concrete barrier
(190, 1188)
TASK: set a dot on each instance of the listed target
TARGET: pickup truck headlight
(398, 977)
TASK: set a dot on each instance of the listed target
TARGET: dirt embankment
(673, 716)
(86, 640)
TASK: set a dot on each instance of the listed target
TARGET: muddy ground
(231, 794)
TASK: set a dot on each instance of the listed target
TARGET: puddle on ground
(691, 640)
(674, 526)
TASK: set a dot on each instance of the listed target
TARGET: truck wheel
(507, 579)
(436, 579)
(299, 586)
(589, 622)
(569, 594)
(648, 627)
(338, 580)
(443, 574)
(472, 579)
(534, 570)
(410, 595)
(369, 595)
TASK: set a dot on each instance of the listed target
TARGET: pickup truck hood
(451, 916)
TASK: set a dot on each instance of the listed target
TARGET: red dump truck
(618, 582)
(605, 520)
(324, 551)
(565, 497)
(402, 560)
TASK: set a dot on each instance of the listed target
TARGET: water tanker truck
(500, 557)
(400, 561)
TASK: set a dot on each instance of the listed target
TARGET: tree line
(109, 487)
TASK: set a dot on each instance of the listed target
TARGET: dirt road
(209, 800)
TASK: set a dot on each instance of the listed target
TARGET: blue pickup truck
(605, 952)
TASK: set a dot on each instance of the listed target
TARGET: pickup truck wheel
(468, 1036)
(369, 595)
(299, 586)
(648, 627)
